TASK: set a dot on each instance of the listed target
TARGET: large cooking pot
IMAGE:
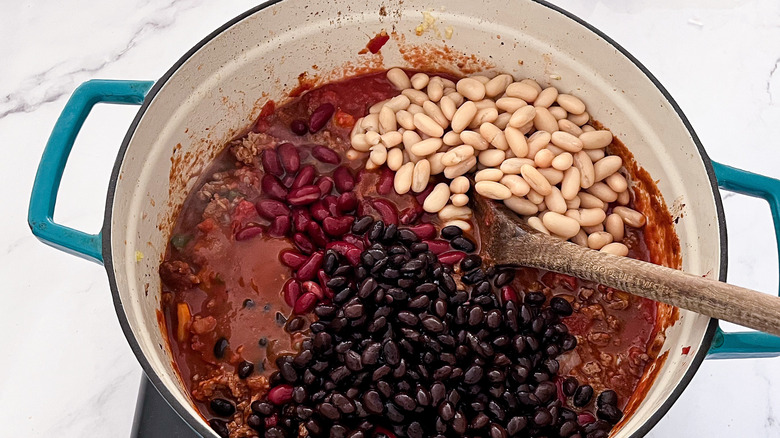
(218, 87)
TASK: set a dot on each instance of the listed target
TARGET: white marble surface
(66, 369)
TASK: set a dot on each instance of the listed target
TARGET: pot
(219, 86)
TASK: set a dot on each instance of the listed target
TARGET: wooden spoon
(509, 240)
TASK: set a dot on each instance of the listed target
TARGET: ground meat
(219, 209)
(599, 339)
(178, 275)
(247, 149)
(203, 325)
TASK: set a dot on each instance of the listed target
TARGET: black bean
(299, 394)
(473, 375)
(419, 302)
(219, 348)
(568, 428)
(607, 397)
(569, 386)
(450, 232)
(343, 404)
(476, 315)
(222, 407)
(446, 411)
(470, 262)
(459, 423)
(609, 413)
(353, 361)
(561, 306)
(535, 298)
(390, 233)
(391, 353)
(220, 427)
(262, 408)
(474, 277)
(433, 324)
(496, 409)
(397, 294)
(504, 278)
(583, 395)
(373, 402)
(245, 369)
(496, 431)
(328, 411)
(479, 421)
(516, 425)
(288, 372)
(339, 373)
(381, 372)
(353, 311)
(404, 401)
(376, 230)
(330, 262)
(463, 244)
(408, 318)
(407, 236)
(438, 392)
(296, 324)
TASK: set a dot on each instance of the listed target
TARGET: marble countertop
(67, 369)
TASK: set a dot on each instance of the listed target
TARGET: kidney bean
(298, 127)
(424, 231)
(304, 195)
(271, 208)
(410, 215)
(451, 257)
(273, 187)
(385, 184)
(305, 177)
(325, 183)
(353, 256)
(320, 116)
(270, 160)
(326, 155)
(316, 234)
(289, 157)
(280, 394)
(303, 243)
(291, 291)
(323, 279)
(331, 204)
(249, 231)
(508, 293)
(344, 180)
(319, 211)
(300, 217)
(355, 240)
(344, 249)
(312, 288)
(386, 210)
(305, 304)
(337, 226)
(292, 259)
(585, 418)
(309, 269)
(437, 246)
(280, 226)
(347, 202)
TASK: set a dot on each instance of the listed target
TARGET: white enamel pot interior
(217, 89)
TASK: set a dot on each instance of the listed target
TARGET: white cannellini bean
(434, 112)
(517, 185)
(461, 168)
(460, 185)
(603, 192)
(426, 147)
(497, 85)
(532, 83)
(587, 128)
(537, 224)
(405, 119)
(391, 139)
(598, 239)
(573, 204)
(596, 139)
(463, 225)
(353, 154)
(510, 104)
(481, 78)
(558, 112)
(594, 229)
(542, 208)
(513, 166)
(419, 80)
(538, 141)
(426, 125)
(398, 103)
(457, 155)
(522, 91)
(553, 176)
(493, 190)
(360, 143)
(522, 116)
(595, 154)
(485, 103)
(459, 199)
(615, 226)
(492, 157)
(450, 212)
(535, 197)
(560, 225)
(623, 198)
(437, 166)
(488, 175)
(555, 202)
(463, 116)
(563, 161)
(566, 125)
(583, 163)
(570, 185)
(370, 165)
(503, 120)
(446, 82)
(617, 182)
(543, 158)
(493, 135)
(471, 89)
(378, 154)
(437, 199)
(387, 120)
(357, 128)
(375, 108)
(370, 122)
(409, 156)
(521, 206)
(581, 238)
(474, 139)
(415, 109)
(395, 159)
(398, 78)
(546, 97)
(579, 119)
(448, 107)
(484, 115)
(421, 175)
(528, 127)
(631, 217)
(606, 166)
(403, 178)
(544, 121)
(373, 138)
(516, 141)
(566, 141)
(591, 217)
(435, 89)
(452, 139)
(536, 180)
(571, 103)
(410, 138)
(417, 97)
(456, 97)
(589, 201)
(615, 248)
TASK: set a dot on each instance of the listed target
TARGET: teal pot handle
(40, 215)
(748, 344)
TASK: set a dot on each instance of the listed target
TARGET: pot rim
(198, 424)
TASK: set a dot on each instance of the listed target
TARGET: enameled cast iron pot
(217, 88)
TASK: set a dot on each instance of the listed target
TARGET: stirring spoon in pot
(509, 240)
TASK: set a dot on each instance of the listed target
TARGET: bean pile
(403, 349)
(529, 147)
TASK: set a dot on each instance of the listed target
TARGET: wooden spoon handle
(731, 303)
